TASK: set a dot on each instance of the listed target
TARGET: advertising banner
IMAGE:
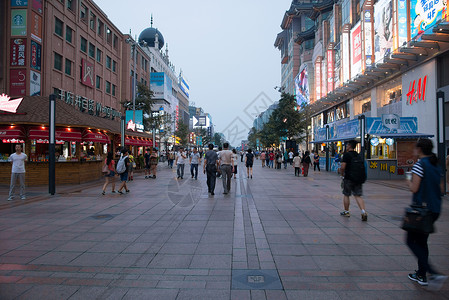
(317, 79)
(425, 14)
(346, 57)
(138, 121)
(18, 52)
(402, 22)
(356, 50)
(17, 3)
(157, 84)
(368, 36)
(302, 86)
(37, 5)
(17, 82)
(330, 70)
(36, 52)
(36, 27)
(35, 83)
(184, 85)
(18, 22)
(87, 73)
(383, 28)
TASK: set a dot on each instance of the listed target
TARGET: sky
(224, 48)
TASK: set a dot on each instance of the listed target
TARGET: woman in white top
(234, 160)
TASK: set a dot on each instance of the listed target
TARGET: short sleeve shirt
(195, 158)
(249, 158)
(147, 158)
(211, 157)
(180, 158)
(347, 158)
(225, 157)
(18, 162)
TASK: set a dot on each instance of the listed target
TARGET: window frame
(57, 55)
(61, 34)
(83, 41)
(69, 63)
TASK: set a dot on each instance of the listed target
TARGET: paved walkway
(273, 237)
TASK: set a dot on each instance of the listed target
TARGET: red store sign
(18, 52)
(17, 82)
(417, 90)
(330, 71)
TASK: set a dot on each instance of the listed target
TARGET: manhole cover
(256, 280)
(102, 217)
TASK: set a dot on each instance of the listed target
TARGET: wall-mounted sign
(18, 52)
(383, 28)
(368, 35)
(137, 123)
(35, 83)
(87, 73)
(18, 22)
(425, 14)
(17, 82)
(356, 50)
(9, 105)
(330, 70)
(402, 28)
(391, 122)
(36, 27)
(37, 5)
(417, 91)
(346, 57)
(36, 52)
(302, 86)
(17, 3)
(317, 79)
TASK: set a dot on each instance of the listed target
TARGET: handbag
(418, 219)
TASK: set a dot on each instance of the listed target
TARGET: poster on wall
(405, 150)
(346, 57)
(356, 50)
(17, 82)
(368, 35)
(318, 79)
(383, 29)
(330, 70)
(302, 86)
(17, 3)
(18, 22)
(425, 14)
(36, 27)
(36, 56)
(157, 84)
(18, 52)
(87, 73)
(35, 83)
(37, 5)
(402, 23)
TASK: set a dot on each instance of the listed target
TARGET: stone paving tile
(49, 292)
(203, 294)
(150, 293)
(167, 261)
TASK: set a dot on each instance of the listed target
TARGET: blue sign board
(16, 3)
(374, 125)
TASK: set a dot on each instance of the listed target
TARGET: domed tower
(152, 37)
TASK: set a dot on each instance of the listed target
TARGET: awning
(12, 133)
(95, 137)
(336, 140)
(404, 135)
(133, 141)
(61, 134)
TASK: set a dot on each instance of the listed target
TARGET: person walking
(18, 160)
(291, 155)
(122, 169)
(226, 167)
(171, 158)
(131, 165)
(306, 162)
(427, 186)
(249, 160)
(262, 158)
(110, 177)
(271, 159)
(210, 166)
(297, 164)
(286, 159)
(235, 158)
(316, 162)
(180, 163)
(353, 177)
(147, 163)
(154, 160)
(195, 159)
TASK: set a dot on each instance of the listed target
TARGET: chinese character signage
(36, 27)
(18, 22)
(356, 53)
(391, 122)
(17, 3)
(383, 28)
(17, 82)
(330, 70)
(317, 79)
(87, 73)
(18, 52)
(36, 51)
(425, 14)
(35, 83)
(37, 5)
(368, 35)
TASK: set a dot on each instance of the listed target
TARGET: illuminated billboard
(383, 28)
(356, 47)
(425, 14)
(161, 85)
(302, 86)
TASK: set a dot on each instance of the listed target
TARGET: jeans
(211, 171)
(271, 163)
(194, 167)
(417, 242)
(316, 165)
(226, 172)
(14, 177)
(297, 171)
(180, 170)
(170, 163)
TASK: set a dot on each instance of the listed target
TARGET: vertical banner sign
(35, 83)
(402, 22)
(425, 14)
(302, 86)
(87, 73)
(37, 5)
(17, 82)
(317, 79)
(330, 70)
(346, 57)
(356, 53)
(36, 27)
(18, 52)
(36, 52)
(368, 38)
(18, 22)
(383, 28)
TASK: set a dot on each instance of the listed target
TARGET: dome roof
(149, 36)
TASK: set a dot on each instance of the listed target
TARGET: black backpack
(356, 169)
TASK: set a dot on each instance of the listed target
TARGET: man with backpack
(122, 170)
(353, 170)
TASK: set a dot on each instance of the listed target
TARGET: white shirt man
(18, 160)
(180, 163)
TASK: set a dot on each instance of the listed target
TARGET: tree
(253, 136)
(217, 140)
(183, 133)
(286, 119)
(144, 102)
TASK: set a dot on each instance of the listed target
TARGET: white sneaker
(23, 198)
(10, 198)
(436, 282)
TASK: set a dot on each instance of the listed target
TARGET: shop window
(108, 62)
(68, 34)
(68, 66)
(114, 66)
(113, 89)
(342, 111)
(92, 21)
(390, 93)
(108, 87)
(91, 50)
(58, 62)
(382, 148)
(98, 82)
(83, 44)
(59, 27)
(362, 104)
(99, 55)
(100, 28)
